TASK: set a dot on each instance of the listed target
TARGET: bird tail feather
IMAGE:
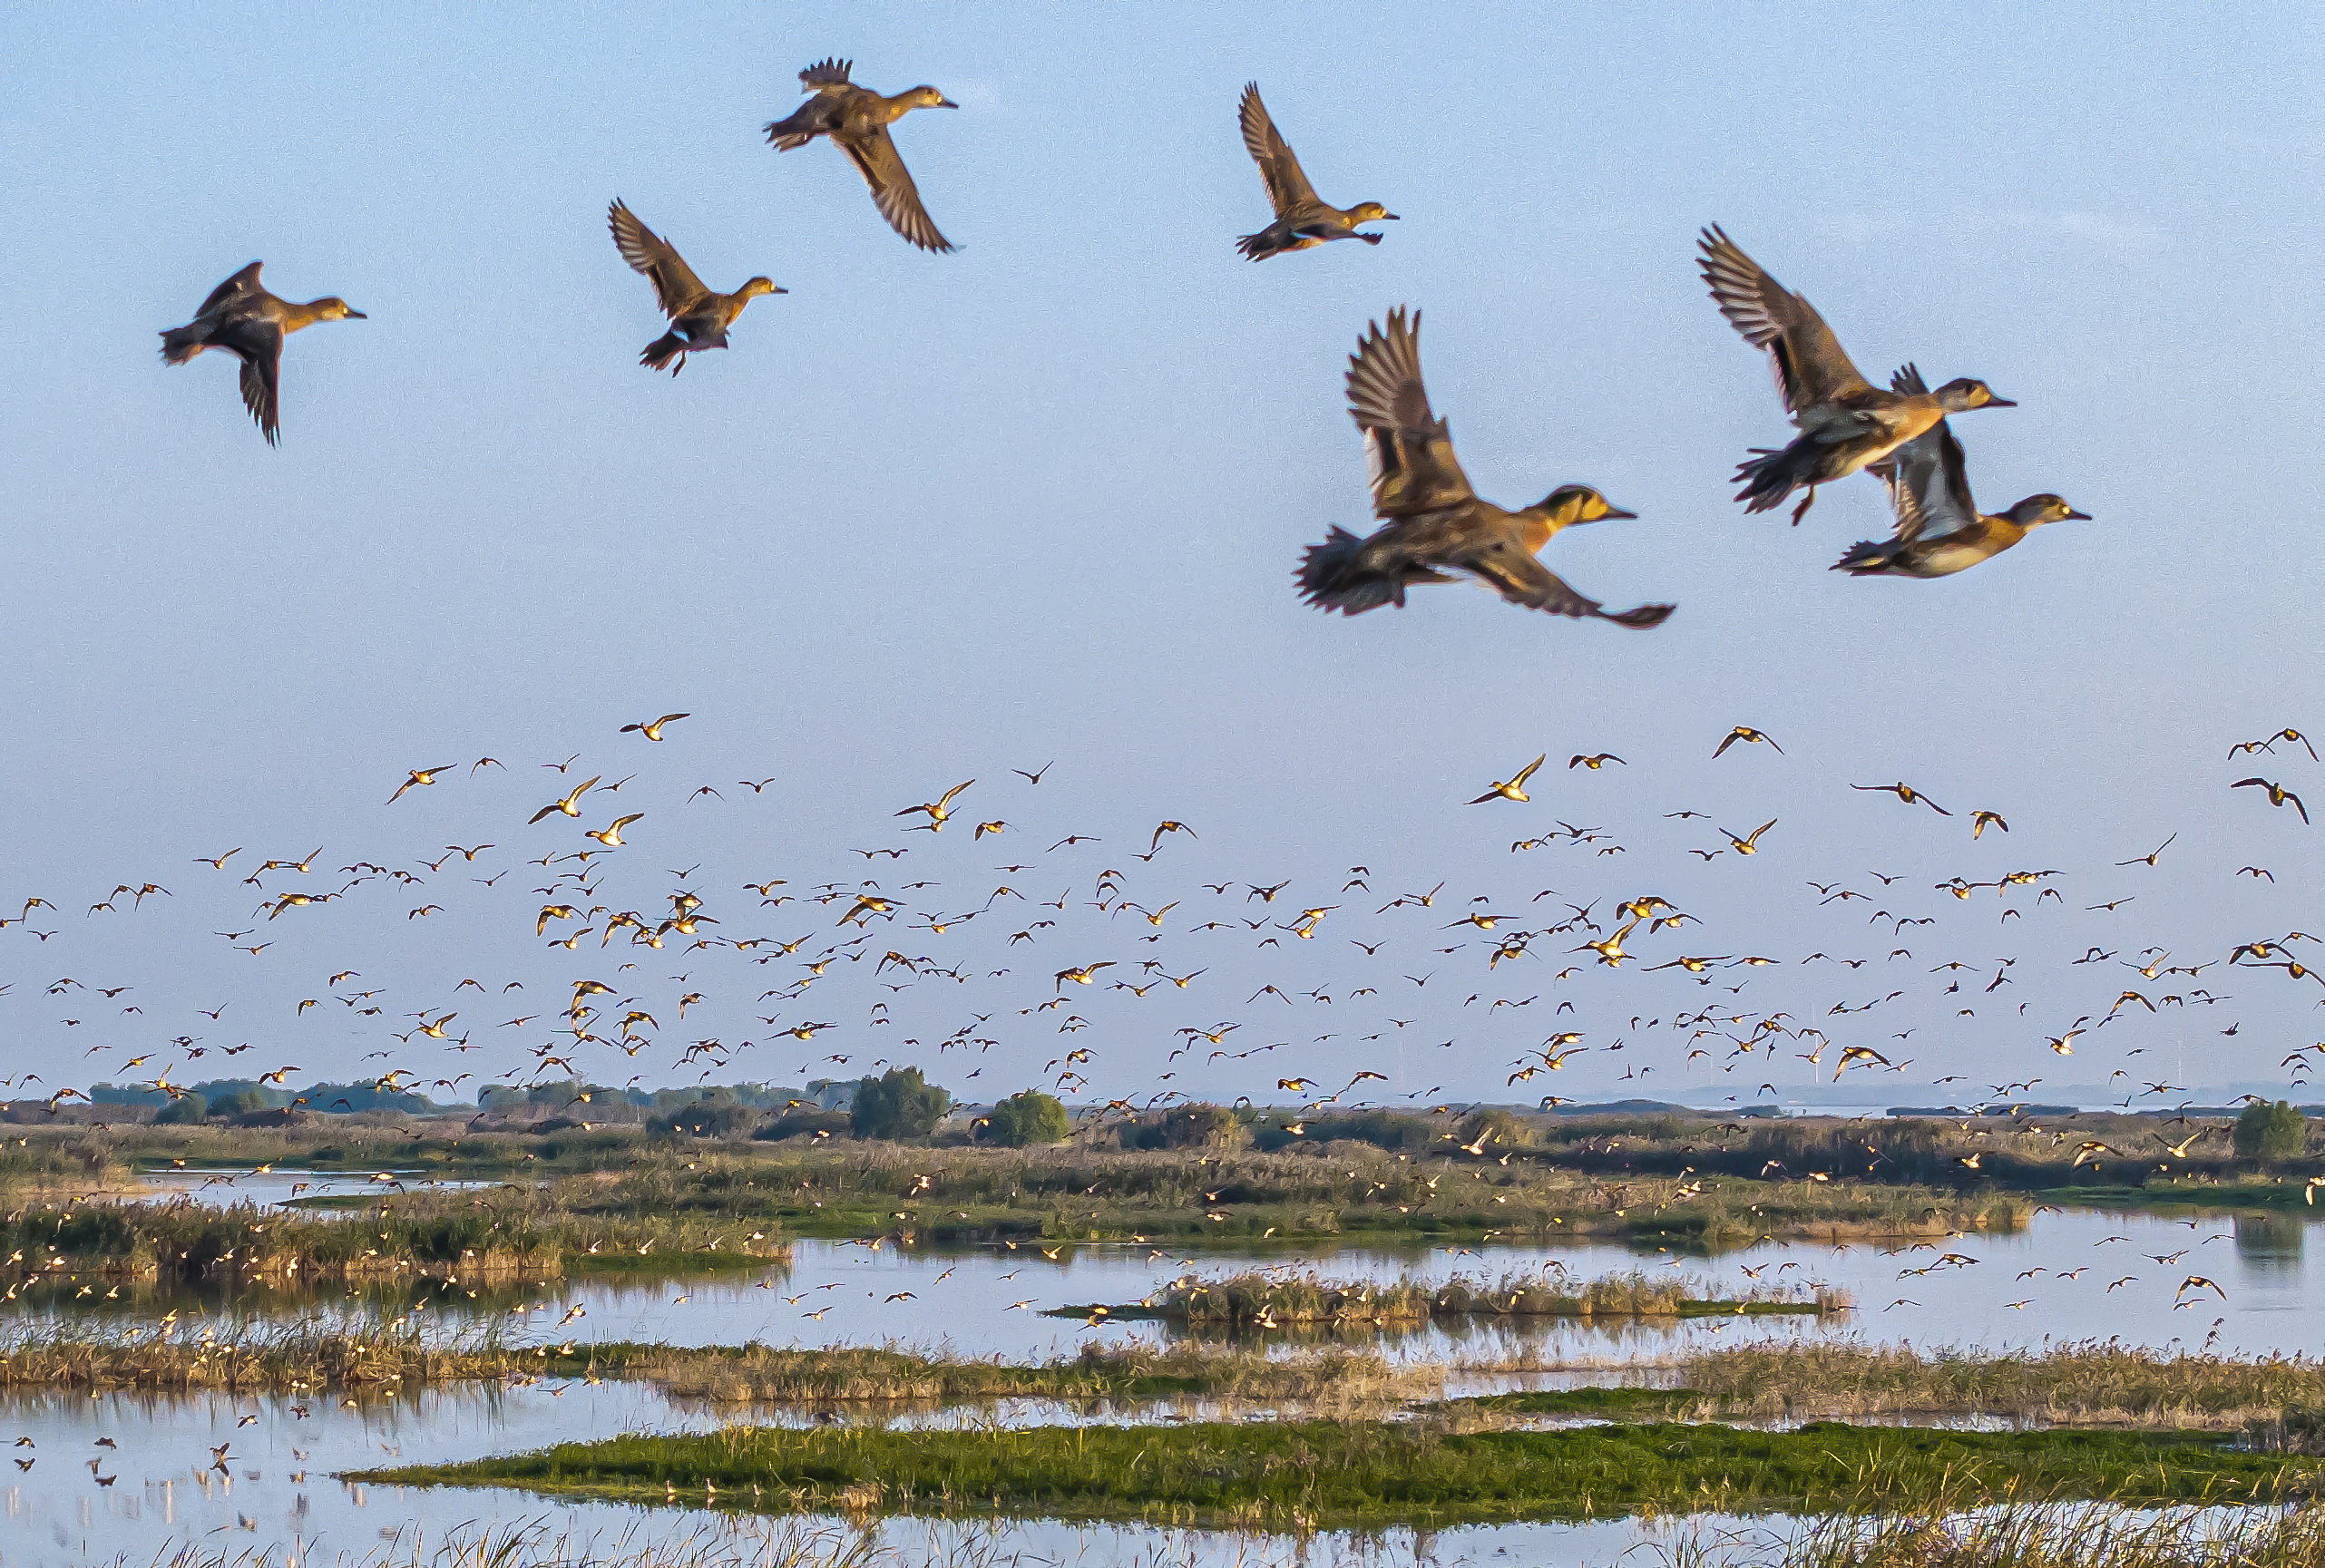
(1768, 477)
(181, 343)
(666, 352)
(1329, 578)
(1867, 558)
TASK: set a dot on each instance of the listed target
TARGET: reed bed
(2082, 1383)
(1266, 1301)
(2020, 1535)
(348, 1356)
(1122, 1375)
(505, 1233)
(253, 1357)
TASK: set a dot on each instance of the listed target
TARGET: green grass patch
(1631, 1404)
(1325, 1475)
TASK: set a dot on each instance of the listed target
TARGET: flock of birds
(961, 930)
(1433, 526)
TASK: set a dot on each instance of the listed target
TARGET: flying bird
(248, 322)
(419, 775)
(1939, 530)
(700, 316)
(569, 803)
(2277, 794)
(1514, 787)
(610, 835)
(1432, 522)
(856, 118)
(1302, 218)
(1906, 793)
(1744, 733)
(940, 810)
(1846, 424)
(652, 729)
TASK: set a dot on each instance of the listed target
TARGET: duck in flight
(1434, 523)
(1939, 530)
(698, 316)
(243, 318)
(1846, 424)
(857, 119)
(1302, 218)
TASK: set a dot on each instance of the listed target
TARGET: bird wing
(893, 192)
(1408, 451)
(245, 282)
(258, 343)
(1287, 183)
(1812, 368)
(1521, 580)
(1929, 486)
(675, 285)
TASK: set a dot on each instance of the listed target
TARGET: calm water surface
(2000, 1291)
(2267, 1293)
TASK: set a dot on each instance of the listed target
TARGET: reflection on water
(278, 1492)
(2270, 1242)
(2070, 1275)
(280, 1185)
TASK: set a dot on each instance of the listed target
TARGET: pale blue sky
(932, 517)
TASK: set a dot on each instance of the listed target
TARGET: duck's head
(1572, 503)
(753, 287)
(1370, 212)
(331, 307)
(1965, 392)
(2038, 510)
(926, 97)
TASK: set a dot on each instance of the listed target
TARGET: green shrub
(183, 1111)
(1499, 1130)
(1197, 1126)
(898, 1103)
(804, 1121)
(708, 1119)
(1381, 1129)
(2269, 1132)
(1026, 1118)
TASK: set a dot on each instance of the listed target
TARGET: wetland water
(965, 1301)
(278, 1490)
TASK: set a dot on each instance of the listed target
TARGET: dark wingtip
(1644, 615)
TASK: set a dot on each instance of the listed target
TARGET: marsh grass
(504, 1233)
(1958, 1532)
(2082, 1383)
(318, 1354)
(1116, 1375)
(250, 1357)
(1353, 1473)
(1331, 1190)
(1267, 1299)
